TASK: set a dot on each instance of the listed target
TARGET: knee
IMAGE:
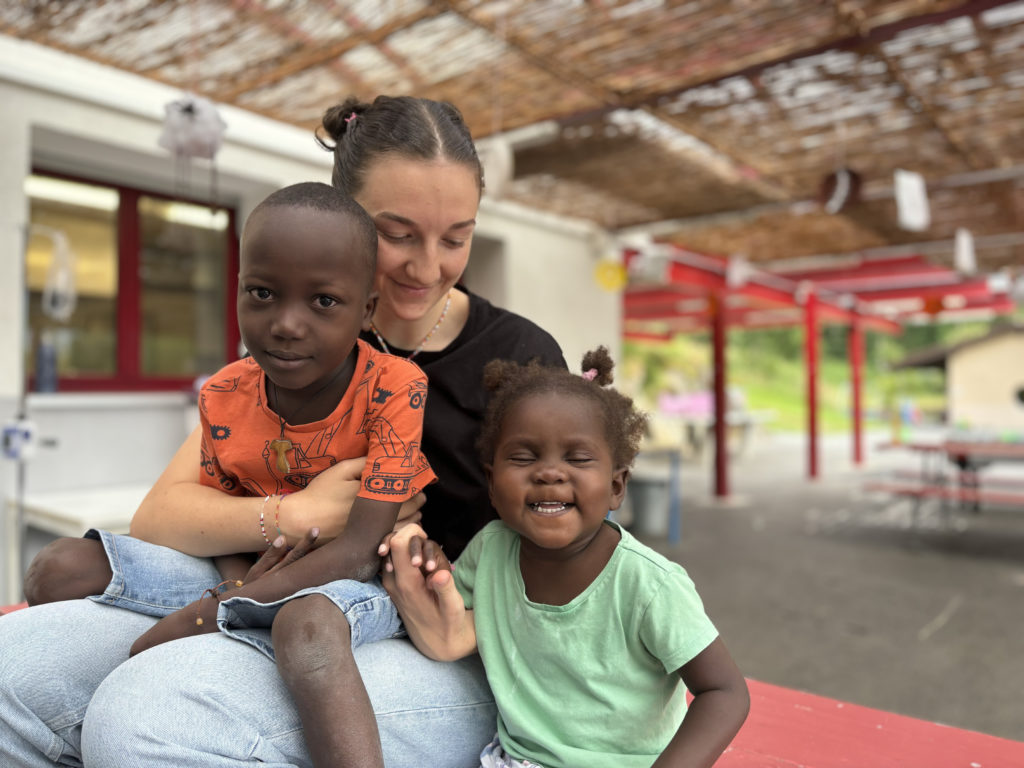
(310, 634)
(67, 569)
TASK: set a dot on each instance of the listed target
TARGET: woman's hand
(326, 502)
(323, 504)
(418, 577)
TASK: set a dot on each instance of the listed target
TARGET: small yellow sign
(610, 275)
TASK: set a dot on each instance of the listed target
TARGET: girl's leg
(52, 658)
(313, 648)
(212, 701)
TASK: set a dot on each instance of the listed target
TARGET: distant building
(984, 380)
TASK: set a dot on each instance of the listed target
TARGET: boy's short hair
(324, 197)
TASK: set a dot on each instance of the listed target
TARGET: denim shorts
(157, 581)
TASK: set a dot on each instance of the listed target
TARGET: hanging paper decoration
(498, 161)
(59, 293)
(963, 252)
(840, 189)
(738, 271)
(192, 128)
(911, 200)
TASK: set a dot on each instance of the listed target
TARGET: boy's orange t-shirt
(380, 416)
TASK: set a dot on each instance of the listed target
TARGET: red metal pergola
(672, 290)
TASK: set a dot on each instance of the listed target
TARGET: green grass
(773, 381)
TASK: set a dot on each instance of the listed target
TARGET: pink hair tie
(350, 118)
(590, 374)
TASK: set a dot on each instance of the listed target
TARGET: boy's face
(303, 294)
(552, 479)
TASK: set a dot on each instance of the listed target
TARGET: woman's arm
(203, 521)
(719, 707)
(426, 597)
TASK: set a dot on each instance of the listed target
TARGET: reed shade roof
(714, 121)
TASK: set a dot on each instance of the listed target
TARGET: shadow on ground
(819, 587)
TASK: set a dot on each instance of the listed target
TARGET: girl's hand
(423, 553)
(418, 577)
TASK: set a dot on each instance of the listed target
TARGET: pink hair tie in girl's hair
(350, 118)
(590, 374)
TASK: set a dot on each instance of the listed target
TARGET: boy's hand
(279, 556)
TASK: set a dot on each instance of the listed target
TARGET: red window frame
(129, 377)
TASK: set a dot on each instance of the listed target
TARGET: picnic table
(951, 473)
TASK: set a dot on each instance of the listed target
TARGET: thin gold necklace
(281, 445)
(423, 341)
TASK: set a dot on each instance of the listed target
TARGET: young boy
(310, 394)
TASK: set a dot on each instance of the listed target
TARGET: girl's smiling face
(425, 214)
(551, 478)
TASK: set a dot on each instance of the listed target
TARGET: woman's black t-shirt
(457, 504)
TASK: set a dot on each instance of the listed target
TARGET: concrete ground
(816, 586)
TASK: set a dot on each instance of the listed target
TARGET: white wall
(548, 269)
(982, 382)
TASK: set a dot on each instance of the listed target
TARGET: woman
(212, 701)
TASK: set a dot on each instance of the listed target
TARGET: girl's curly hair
(510, 382)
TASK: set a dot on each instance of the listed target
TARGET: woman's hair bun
(338, 119)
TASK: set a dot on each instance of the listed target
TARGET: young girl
(585, 633)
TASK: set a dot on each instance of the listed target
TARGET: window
(127, 290)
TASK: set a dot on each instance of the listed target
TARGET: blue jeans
(207, 700)
(156, 581)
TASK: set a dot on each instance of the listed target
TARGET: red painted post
(718, 337)
(855, 344)
(811, 358)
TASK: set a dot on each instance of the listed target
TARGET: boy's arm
(431, 607)
(352, 556)
(719, 707)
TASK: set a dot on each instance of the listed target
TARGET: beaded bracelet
(263, 527)
(277, 510)
(214, 592)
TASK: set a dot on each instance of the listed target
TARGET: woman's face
(425, 214)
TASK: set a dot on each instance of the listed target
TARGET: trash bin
(649, 500)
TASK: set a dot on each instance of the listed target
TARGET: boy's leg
(313, 646)
(151, 579)
(67, 569)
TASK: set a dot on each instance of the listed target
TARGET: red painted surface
(721, 406)
(855, 345)
(788, 728)
(811, 362)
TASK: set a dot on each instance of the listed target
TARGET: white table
(69, 513)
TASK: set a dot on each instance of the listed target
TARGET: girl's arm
(200, 520)
(719, 707)
(418, 577)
